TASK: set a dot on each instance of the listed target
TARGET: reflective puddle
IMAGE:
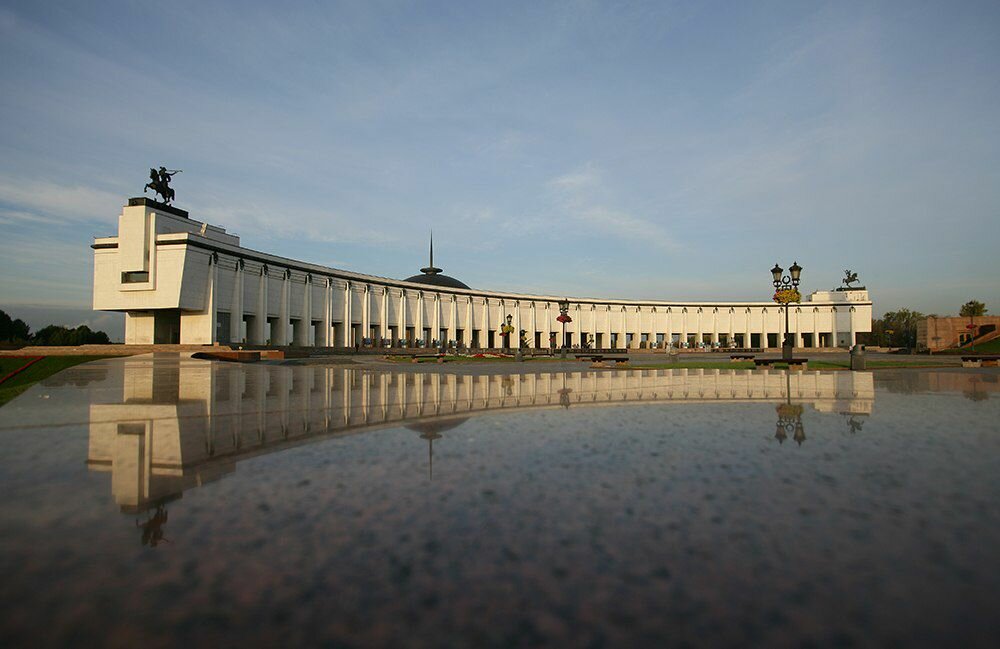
(159, 501)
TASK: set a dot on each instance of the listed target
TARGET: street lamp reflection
(789, 417)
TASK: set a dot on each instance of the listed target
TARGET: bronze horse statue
(160, 183)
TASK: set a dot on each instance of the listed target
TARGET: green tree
(13, 331)
(896, 328)
(973, 308)
(57, 335)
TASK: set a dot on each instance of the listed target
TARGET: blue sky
(641, 150)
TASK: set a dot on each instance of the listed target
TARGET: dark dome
(436, 279)
(433, 277)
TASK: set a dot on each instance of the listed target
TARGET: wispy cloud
(295, 220)
(346, 131)
(581, 195)
(45, 201)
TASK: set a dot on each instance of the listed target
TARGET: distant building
(935, 334)
(182, 281)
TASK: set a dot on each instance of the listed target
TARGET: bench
(793, 364)
(598, 360)
(737, 358)
(415, 358)
(980, 361)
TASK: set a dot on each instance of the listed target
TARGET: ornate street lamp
(505, 332)
(563, 318)
(786, 291)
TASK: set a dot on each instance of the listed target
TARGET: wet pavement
(159, 501)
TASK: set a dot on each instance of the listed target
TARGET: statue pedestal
(163, 207)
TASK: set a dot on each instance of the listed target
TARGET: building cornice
(239, 252)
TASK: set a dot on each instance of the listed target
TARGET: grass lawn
(695, 365)
(991, 347)
(43, 369)
(10, 363)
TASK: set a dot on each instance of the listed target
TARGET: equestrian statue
(159, 182)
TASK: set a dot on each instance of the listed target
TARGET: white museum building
(182, 281)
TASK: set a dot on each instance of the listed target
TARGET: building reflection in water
(182, 423)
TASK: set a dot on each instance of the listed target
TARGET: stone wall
(942, 333)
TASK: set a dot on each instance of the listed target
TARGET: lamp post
(505, 332)
(563, 318)
(786, 291)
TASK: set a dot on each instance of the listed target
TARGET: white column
(593, 322)
(783, 331)
(732, 325)
(607, 326)
(328, 313)
(833, 320)
(515, 340)
(383, 325)
(850, 323)
(401, 316)
(348, 316)
(815, 330)
(470, 325)
(453, 319)
(578, 326)
(484, 335)
(534, 324)
(305, 319)
(418, 322)
(280, 337)
(746, 327)
(797, 336)
(684, 326)
(503, 321)
(260, 320)
(715, 325)
(213, 292)
(366, 312)
(763, 328)
(236, 309)
(547, 327)
(436, 332)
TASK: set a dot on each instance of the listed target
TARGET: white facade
(182, 281)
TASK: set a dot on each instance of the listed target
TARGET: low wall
(943, 333)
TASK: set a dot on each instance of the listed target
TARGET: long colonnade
(179, 280)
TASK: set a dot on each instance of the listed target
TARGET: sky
(670, 151)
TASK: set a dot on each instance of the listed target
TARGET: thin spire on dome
(431, 270)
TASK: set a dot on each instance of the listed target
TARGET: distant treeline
(18, 332)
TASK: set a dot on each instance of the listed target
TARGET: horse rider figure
(160, 182)
(850, 277)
